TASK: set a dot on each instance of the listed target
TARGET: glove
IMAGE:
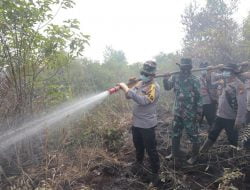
(124, 87)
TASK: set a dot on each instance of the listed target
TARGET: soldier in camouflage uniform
(145, 95)
(187, 108)
(231, 108)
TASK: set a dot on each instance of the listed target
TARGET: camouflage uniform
(187, 105)
(187, 108)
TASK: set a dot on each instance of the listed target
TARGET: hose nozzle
(114, 89)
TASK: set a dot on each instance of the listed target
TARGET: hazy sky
(141, 28)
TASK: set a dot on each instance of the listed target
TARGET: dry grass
(95, 154)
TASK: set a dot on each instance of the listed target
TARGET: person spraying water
(145, 95)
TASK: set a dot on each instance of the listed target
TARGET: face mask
(144, 78)
(226, 74)
(185, 72)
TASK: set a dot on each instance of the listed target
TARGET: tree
(31, 43)
(244, 44)
(114, 57)
(115, 65)
(211, 32)
(246, 28)
(167, 62)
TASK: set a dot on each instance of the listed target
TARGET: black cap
(186, 61)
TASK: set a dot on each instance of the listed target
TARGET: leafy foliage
(211, 32)
(32, 45)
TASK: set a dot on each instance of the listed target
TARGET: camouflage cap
(186, 61)
(149, 67)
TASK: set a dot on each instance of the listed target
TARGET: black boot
(137, 168)
(155, 179)
(175, 150)
(195, 153)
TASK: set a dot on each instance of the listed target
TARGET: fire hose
(133, 81)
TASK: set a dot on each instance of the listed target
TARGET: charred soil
(109, 167)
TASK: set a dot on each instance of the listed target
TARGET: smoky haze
(140, 28)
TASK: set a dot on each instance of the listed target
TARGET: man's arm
(148, 98)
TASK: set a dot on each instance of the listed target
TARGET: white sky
(141, 28)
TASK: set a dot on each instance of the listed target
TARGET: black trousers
(144, 139)
(209, 112)
(228, 125)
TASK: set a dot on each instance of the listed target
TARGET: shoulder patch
(151, 92)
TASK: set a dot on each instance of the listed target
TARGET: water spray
(60, 116)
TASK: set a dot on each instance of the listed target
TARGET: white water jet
(35, 126)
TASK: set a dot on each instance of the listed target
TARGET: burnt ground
(223, 167)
